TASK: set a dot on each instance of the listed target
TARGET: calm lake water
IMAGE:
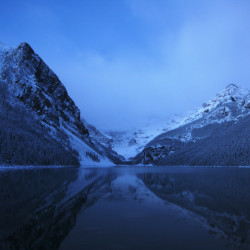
(125, 208)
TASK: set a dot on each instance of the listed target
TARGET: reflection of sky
(128, 60)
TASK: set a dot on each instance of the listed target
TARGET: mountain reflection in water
(125, 208)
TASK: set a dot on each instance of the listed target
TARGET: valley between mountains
(42, 125)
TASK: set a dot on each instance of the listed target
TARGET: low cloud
(124, 62)
(186, 68)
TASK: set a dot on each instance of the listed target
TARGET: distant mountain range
(41, 125)
(131, 142)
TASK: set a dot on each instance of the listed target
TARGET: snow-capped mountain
(216, 125)
(30, 89)
(131, 142)
(226, 106)
(33, 83)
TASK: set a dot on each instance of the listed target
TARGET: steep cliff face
(23, 141)
(97, 135)
(32, 82)
(220, 124)
(39, 88)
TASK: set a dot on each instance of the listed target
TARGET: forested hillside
(23, 141)
(42, 94)
(217, 134)
(228, 145)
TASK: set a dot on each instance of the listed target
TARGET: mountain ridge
(229, 110)
(32, 82)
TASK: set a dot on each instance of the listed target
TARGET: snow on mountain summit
(131, 142)
(227, 105)
(232, 93)
(218, 133)
(31, 81)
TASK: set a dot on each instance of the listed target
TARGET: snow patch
(83, 150)
(132, 142)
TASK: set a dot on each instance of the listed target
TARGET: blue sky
(127, 61)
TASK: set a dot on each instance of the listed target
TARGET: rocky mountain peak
(220, 126)
(233, 93)
(230, 103)
(25, 50)
(39, 88)
(232, 86)
(25, 47)
(31, 81)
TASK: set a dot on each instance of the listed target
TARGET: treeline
(227, 146)
(23, 141)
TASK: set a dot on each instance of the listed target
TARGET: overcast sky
(125, 61)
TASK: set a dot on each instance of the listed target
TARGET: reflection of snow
(132, 188)
(82, 181)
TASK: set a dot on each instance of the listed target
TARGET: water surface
(125, 208)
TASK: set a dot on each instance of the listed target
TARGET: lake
(125, 208)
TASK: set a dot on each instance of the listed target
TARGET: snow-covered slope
(24, 141)
(97, 135)
(87, 155)
(228, 111)
(130, 143)
(226, 106)
(32, 82)
(230, 104)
